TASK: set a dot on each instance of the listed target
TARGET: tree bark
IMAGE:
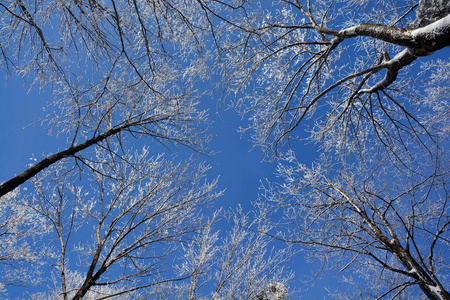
(431, 289)
(48, 161)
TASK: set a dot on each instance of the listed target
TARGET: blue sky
(20, 141)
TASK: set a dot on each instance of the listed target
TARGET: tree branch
(48, 161)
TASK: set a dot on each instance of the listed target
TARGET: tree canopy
(364, 84)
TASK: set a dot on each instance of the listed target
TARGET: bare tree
(376, 202)
(19, 224)
(388, 227)
(134, 212)
(115, 70)
(120, 69)
(241, 265)
(127, 69)
(137, 215)
(341, 59)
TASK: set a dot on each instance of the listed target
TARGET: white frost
(348, 31)
(430, 28)
(394, 60)
(399, 56)
(435, 289)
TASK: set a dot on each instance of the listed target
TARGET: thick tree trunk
(433, 290)
(419, 42)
